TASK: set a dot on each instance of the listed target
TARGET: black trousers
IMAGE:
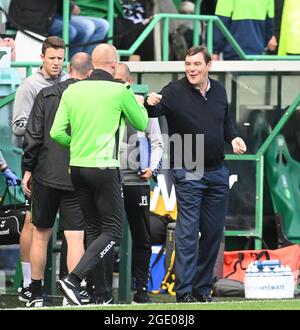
(137, 203)
(100, 197)
(136, 200)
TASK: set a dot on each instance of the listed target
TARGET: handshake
(11, 178)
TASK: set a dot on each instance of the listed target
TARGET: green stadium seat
(284, 182)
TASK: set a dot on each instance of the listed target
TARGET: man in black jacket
(46, 169)
(196, 107)
(33, 15)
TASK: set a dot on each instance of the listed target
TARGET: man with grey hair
(47, 181)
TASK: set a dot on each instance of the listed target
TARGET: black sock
(36, 288)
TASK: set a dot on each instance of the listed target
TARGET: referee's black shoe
(69, 290)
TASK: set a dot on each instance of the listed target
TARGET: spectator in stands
(45, 18)
(138, 167)
(95, 109)
(277, 27)
(10, 177)
(9, 42)
(46, 165)
(98, 8)
(290, 29)
(188, 7)
(197, 105)
(88, 29)
(36, 16)
(208, 7)
(132, 18)
(50, 73)
(251, 22)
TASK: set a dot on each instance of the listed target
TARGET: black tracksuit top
(188, 112)
(46, 159)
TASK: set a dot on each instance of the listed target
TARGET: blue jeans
(82, 29)
(202, 207)
(91, 29)
(55, 29)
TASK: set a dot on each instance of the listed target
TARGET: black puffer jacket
(47, 160)
(33, 15)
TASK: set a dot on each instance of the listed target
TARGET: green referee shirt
(96, 110)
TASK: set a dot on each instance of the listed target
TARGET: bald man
(96, 110)
(46, 170)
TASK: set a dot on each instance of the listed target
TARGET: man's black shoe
(24, 293)
(35, 302)
(141, 297)
(205, 298)
(104, 301)
(187, 298)
(69, 290)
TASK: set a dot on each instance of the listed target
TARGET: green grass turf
(292, 304)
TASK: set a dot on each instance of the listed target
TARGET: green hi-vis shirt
(290, 29)
(96, 111)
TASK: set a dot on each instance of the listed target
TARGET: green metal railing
(259, 158)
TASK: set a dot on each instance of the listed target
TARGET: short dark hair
(53, 42)
(199, 49)
(81, 63)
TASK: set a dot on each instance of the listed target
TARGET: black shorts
(46, 202)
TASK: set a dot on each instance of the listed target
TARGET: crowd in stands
(258, 26)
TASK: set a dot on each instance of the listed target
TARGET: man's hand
(11, 178)
(272, 44)
(153, 99)
(26, 183)
(215, 57)
(238, 146)
(146, 174)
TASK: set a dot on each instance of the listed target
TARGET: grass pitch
(289, 304)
